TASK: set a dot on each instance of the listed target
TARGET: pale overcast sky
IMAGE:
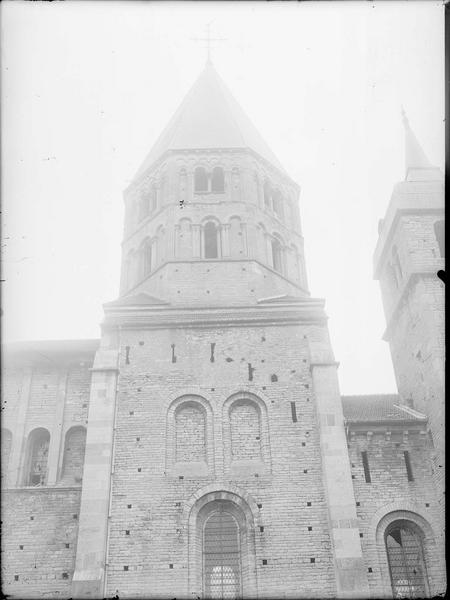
(88, 86)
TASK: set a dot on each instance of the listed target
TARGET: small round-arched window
(406, 561)
(217, 180)
(276, 255)
(211, 239)
(200, 180)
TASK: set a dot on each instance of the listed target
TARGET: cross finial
(208, 39)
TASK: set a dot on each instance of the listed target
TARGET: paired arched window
(211, 240)
(73, 459)
(205, 181)
(439, 232)
(404, 550)
(221, 555)
(277, 261)
(37, 457)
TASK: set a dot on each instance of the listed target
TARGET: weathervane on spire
(208, 39)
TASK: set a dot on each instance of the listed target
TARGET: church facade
(201, 448)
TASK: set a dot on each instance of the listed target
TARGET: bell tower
(211, 216)
(216, 456)
(409, 253)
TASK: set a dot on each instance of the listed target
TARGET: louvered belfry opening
(406, 562)
(222, 577)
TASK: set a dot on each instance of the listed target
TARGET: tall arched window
(404, 550)
(277, 262)
(211, 240)
(74, 449)
(6, 451)
(217, 180)
(37, 457)
(146, 258)
(221, 555)
(143, 205)
(267, 195)
(278, 204)
(130, 270)
(396, 263)
(439, 232)
(200, 180)
(153, 197)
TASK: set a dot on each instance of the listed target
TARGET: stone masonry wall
(148, 542)
(390, 493)
(39, 536)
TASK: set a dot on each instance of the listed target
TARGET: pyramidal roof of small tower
(415, 157)
(209, 118)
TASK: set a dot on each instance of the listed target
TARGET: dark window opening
(365, 462)
(217, 180)
(211, 240)
(276, 255)
(200, 180)
(39, 442)
(294, 412)
(408, 466)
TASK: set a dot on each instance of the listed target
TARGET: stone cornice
(154, 317)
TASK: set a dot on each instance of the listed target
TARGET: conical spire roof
(417, 165)
(415, 157)
(209, 117)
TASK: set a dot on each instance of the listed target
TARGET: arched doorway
(403, 541)
(222, 569)
(222, 560)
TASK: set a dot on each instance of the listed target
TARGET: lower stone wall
(39, 536)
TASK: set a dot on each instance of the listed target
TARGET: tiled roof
(208, 118)
(378, 408)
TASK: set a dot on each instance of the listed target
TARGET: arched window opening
(439, 232)
(267, 195)
(130, 270)
(221, 555)
(396, 264)
(190, 427)
(200, 180)
(153, 197)
(276, 256)
(6, 451)
(406, 563)
(278, 205)
(143, 206)
(38, 444)
(211, 240)
(146, 258)
(73, 460)
(218, 181)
